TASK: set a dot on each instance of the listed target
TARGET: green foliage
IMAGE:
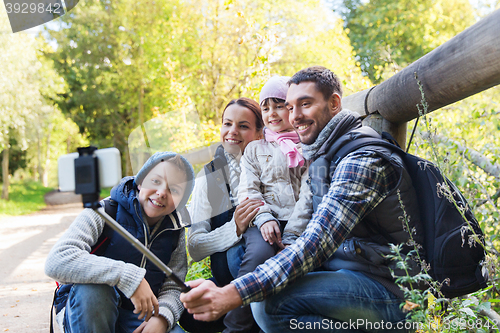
(470, 123)
(433, 314)
(388, 34)
(127, 62)
(198, 270)
(29, 89)
(25, 197)
(100, 56)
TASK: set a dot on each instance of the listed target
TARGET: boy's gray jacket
(265, 176)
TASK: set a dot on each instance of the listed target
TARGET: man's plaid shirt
(360, 182)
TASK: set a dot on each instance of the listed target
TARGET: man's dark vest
(217, 174)
(162, 245)
(367, 244)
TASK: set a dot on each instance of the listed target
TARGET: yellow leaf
(431, 301)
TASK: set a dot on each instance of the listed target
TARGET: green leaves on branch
(389, 35)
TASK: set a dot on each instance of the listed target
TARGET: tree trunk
(475, 157)
(39, 157)
(5, 173)
(120, 142)
(45, 172)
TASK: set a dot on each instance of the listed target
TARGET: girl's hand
(244, 213)
(271, 233)
(156, 324)
(144, 301)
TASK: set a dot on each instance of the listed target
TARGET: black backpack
(61, 292)
(446, 233)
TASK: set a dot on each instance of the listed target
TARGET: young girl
(273, 171)
(119, 290)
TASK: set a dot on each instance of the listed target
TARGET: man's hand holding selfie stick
(207, 302)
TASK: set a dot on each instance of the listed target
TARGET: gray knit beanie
(165, 156)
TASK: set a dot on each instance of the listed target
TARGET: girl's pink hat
(275, 87)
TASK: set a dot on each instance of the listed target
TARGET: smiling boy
(119, 290)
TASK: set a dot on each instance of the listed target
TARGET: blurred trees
(388, 35)
(119, 64)
(126, 62)
(29, 88)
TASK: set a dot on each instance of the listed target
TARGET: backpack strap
(51, 326)
(364, 142)
(219, 163)
(110, 207)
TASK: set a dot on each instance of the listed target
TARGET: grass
(105, 192)
(24, 198)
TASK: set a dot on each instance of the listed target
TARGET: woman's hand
(244, 213)
(144, 301)
(271, 233)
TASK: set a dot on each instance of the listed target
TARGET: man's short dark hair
(326, 81)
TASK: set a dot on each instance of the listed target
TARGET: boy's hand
(157, 324)
(145, 301)
(270, 231)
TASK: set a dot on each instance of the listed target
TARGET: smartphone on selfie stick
(93, 168)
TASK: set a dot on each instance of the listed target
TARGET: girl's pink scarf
(288, 145)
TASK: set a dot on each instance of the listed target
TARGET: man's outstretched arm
(346, 203)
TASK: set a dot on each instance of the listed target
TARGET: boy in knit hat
(273, 171)
(119, 290)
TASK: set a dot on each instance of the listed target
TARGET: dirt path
(25, 291)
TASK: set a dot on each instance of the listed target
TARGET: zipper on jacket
(143, 262)
(146, 236)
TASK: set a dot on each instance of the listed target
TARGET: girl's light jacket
(265, 175)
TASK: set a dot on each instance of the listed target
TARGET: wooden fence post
(379, 124)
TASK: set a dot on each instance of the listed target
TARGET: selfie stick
(144, 250)
(87, 184)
